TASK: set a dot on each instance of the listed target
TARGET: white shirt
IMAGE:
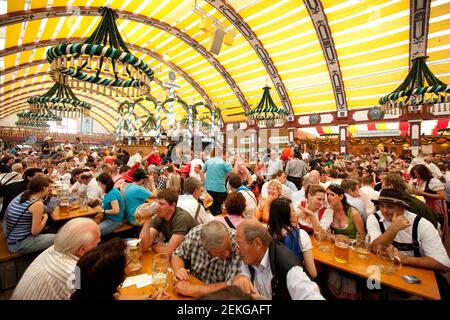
(434, 170)
(299, 285)
(188, 203)
(305, 156)
(94, 191)
(305, 241)
(286, 191)
(81, 188)
(195, 162)
(367, 195)
(251, 205)
(133, 159)
(358, 204)
(298, 196)
(291, 185)
(430, 244)
(49, 277)
(274, 166)
(447, 176)
(325, 184)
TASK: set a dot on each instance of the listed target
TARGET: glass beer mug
(146, 211)
(362, 246)
(323, 238)
(206, 198)
(341, 248)
(160, 270)
(64, 205)
(134, 255)
(386, 258)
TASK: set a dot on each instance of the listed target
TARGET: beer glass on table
(64, 205)
(386, 258)
(362, 246)
(83, 202)
(160, 270)
(341, 248)
(323, 238)
(134, 256)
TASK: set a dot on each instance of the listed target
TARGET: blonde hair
(276, 184)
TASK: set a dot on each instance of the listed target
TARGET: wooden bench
(124, 227)
(12, 265)
(126, 230)
(8, 267)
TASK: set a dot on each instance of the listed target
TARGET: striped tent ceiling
(370, 38)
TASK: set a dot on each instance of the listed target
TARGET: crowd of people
(228, 219)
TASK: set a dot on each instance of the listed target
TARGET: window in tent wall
(67, 125)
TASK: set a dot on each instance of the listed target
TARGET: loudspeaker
(216, 41)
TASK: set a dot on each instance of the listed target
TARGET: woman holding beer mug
(283, 226)
(313, 214)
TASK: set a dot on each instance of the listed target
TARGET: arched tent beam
(57, 12)
(233, 16)
(24, 106)
(45, 43)
(323, 31)
(418, 29)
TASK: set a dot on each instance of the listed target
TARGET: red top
(154, 159)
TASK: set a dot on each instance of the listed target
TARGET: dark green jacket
(420, 208)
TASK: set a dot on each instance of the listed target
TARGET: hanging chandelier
(267, 113)
(35, 120)
(421, 87)
(60, 101)
(33, 115)
(103, 60)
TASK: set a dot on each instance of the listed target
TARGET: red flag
(441, 124)
(404, 128)
(320, 130)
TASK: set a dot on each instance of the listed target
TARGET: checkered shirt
(161, 183)
(205, 267)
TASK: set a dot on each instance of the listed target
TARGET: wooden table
(147, 259)
(427, 289)
(73, 213)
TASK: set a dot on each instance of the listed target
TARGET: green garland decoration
(60, 99)
(105, 46)
(419, 82)
(267, 112)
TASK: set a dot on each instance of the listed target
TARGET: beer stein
(146, 211)
(341, 248)
(362, 246)
(134, 255)
(160, 271)
(386, 258)
(323, 238)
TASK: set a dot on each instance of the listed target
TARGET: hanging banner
(376, 133)
(275, 139)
